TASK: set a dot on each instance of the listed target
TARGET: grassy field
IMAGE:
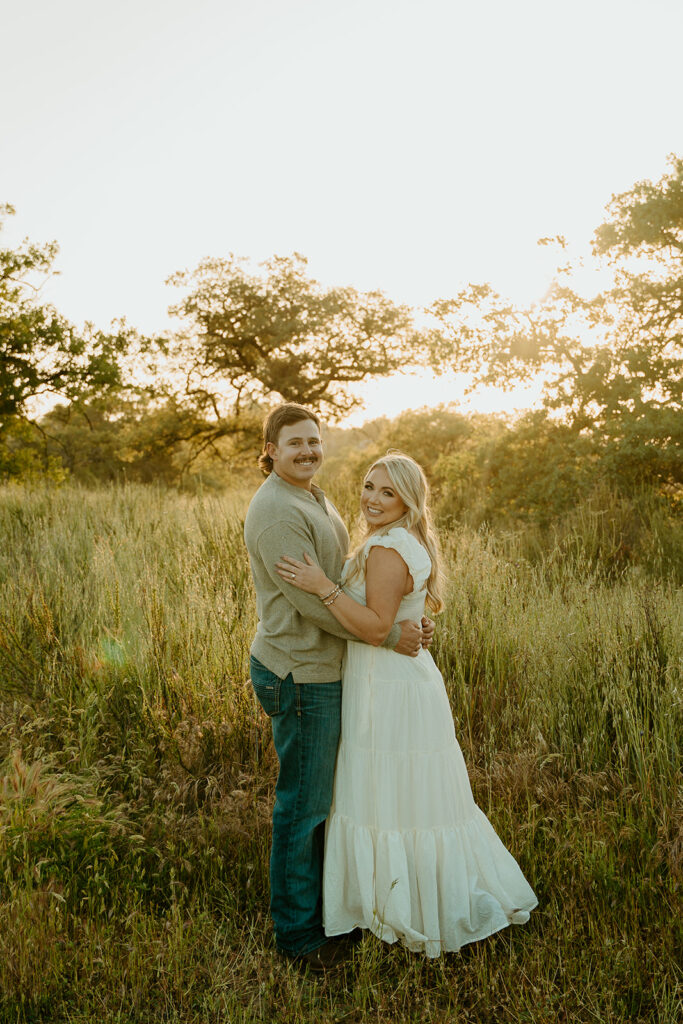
(137, 778)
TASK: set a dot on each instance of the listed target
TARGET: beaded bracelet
(332, 596)
(328, 603)
(333, 591)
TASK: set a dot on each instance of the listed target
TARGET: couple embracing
(374, 824)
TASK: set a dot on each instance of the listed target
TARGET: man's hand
(410, 641)
(428, 626)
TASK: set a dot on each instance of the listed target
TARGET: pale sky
(407, 145)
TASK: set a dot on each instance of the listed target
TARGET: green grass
(137, 777)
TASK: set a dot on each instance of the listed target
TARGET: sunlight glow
(393, 395)
(402, 146)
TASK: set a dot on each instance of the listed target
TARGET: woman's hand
(428, 627)
(305, 576)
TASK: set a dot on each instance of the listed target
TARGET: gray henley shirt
(296, 633)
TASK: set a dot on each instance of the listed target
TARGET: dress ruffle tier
(434, 888)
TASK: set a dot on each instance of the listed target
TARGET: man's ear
(271, 449)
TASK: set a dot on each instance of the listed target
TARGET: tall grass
(137, 776)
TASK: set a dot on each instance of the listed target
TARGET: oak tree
(280, 335)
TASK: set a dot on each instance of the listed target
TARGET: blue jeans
(306, 719)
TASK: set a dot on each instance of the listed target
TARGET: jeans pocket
(266, 687)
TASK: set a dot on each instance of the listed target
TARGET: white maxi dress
(408, 854)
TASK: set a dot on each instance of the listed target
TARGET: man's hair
(282, 416)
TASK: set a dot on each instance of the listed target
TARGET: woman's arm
(386, 581)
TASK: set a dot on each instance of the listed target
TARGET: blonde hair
(412, 488)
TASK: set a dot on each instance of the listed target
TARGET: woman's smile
(379, 502)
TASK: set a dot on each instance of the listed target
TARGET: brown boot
(351, 938)
(326, 957)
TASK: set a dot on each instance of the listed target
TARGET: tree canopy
(613, 362)
(41, 353)
(165, 408)
(279, 335)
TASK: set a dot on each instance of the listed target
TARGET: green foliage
(280, 335)
(612, 364)
(43, 356)
(141, 438)
(40, 352)
(24, 453)
(648, 219)
(533, 479)
(534, 470)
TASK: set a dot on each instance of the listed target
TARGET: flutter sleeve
(411, 551)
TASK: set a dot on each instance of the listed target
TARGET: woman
(408, 854)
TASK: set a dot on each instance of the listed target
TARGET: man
(296, 672)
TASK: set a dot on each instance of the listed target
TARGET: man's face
(298, 454)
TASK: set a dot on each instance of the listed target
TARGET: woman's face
(379, 502)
